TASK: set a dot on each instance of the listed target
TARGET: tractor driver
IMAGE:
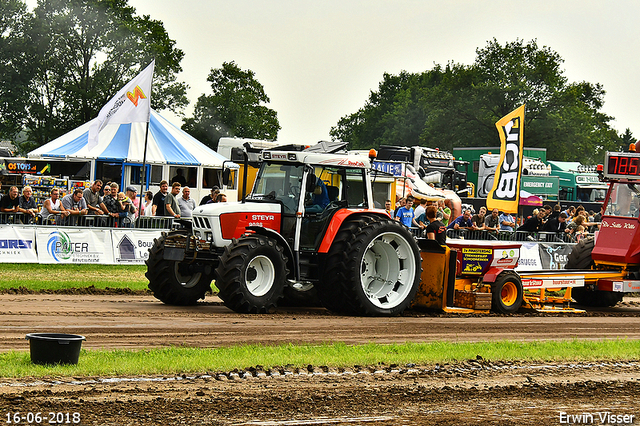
(319, 197)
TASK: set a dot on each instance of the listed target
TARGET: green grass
(179, 360)
(57, 277)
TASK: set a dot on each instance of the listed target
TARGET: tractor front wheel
(506, 293)
(174, 282)
(251, 275)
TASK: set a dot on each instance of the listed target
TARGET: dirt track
(473, 392)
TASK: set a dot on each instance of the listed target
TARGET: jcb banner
(505, 193)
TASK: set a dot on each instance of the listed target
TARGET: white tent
(121, 147)
(167, 144)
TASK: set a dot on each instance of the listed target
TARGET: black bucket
(54, 348)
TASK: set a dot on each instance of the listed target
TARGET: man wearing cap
(135, 201)
(210, 198)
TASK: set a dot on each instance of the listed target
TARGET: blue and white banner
(29, 244)
(64, 245)
(18, 245)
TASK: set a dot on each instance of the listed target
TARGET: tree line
(61, 62)
(457, 105)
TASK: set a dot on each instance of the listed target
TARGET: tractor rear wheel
(506, 293)
(251, 275)
(373, 268)
(174, 282)
(580, 258)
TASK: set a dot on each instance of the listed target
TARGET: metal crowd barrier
(103, 221)
(546, 237)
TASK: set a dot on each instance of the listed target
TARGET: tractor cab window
(356, 189)
(625, 200)
(279, 182)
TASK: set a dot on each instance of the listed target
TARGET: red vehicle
(617, 244)
(308, 231)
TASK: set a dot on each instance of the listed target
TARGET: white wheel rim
(186, 281)
(265, 273)
(388, 270)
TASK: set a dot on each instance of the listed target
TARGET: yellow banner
(505, 193)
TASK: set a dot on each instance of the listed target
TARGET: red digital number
(633, 166)
(624, 162)
(614, 169)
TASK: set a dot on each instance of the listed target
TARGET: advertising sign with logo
(504, 257)
(474, 259)
(132, 246)
(63, 245)
(529, 258)
(554, 256)
(17, 245)
(20, 166)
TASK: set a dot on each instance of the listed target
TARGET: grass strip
(179, 360)
(38, 277)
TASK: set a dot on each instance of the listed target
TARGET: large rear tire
(506, 293)
(173, 282)
(251, 275)
(580, 258)
(373, 268)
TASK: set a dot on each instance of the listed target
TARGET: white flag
(132, 104)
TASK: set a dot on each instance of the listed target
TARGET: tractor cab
(311, 188)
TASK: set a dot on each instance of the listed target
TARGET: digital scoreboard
(622, 165)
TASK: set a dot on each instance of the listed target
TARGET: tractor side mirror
(311, 179)
(226, 177)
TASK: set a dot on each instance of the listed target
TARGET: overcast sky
(318, 61)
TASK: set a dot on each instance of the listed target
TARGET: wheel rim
(388, 270)
(186, 280)
(260, 275)
(509, 293)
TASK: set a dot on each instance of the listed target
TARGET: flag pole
(144, 165)
(144, 155)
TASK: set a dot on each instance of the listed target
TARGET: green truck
(578, 182)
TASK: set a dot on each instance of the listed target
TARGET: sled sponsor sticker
(475, 259)
(505, 257)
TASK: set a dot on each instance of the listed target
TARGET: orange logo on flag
(136, 95)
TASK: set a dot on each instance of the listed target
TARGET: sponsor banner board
(132, 246)
(65, 245)
(18, 245)
(554, 256)
(529, 258)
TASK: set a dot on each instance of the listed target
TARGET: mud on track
(472, 392)
(137, 321)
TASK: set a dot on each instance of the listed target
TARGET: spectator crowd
(433, 219)
(108, 207)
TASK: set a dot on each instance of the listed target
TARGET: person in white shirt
(148, 204)
(185, 203)
(420, 209)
